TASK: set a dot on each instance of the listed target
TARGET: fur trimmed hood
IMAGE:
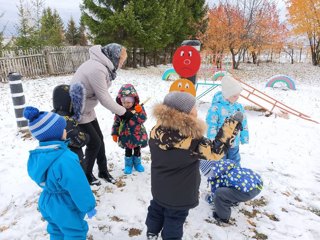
(173, 119)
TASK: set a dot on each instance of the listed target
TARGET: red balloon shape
(186, 61)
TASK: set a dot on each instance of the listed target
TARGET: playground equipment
(219, 74)
(286, 80)
(268, 103)
(213, 64)
(170, 74)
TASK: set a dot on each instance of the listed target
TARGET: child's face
(127, 104)
(194, 112)
(64, 135)
(234, 98)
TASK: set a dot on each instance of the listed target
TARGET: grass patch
(260, 236)
(134, 232)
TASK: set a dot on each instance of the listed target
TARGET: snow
(284, 151)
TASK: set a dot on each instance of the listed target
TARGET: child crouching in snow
(176, 145)
(130, 135)
(230, 185)
(66, 197)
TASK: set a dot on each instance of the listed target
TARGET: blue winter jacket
(221, 109)
(57, 170)
(225, 173)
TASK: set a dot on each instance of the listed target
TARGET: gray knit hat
(181, 101)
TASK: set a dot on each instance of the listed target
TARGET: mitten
(127, 116)
(92, 213)
(138, 108)
(238, 116)
(115, 138)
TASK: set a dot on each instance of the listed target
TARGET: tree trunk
(155, 58)
(145, 58)
(292, 56)
(134, 58)
(254, 57)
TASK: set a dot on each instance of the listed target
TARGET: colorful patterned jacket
(131, 133)
(224, 173)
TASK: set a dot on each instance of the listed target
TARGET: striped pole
(18, 100)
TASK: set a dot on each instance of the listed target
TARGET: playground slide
(268, 103)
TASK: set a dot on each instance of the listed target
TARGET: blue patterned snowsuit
(221, 109)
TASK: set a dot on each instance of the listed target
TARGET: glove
(127, 116)
(115, 138)
(92, 213)
(138, 108)
(238, 116)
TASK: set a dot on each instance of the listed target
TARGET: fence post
(18, 100)
(48, 62)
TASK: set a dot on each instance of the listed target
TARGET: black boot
(92, 180)
(106, 176)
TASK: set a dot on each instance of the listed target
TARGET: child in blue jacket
(224, 104)
(230, 184)
(66, 197)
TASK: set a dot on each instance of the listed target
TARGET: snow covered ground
(284, 151)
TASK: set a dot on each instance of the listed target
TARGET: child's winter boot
(137, 164)
(128, 165)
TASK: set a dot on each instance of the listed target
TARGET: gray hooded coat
(95, 78)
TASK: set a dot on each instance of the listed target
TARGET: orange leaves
(304, 15)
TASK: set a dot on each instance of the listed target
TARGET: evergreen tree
(72, 34)
(37, 9)
(52, 33)
(1, 35)
(102, 19)
(83, 41)
(193, 14)
(143, 22)
(26, 33)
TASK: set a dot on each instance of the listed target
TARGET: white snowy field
(285, 152)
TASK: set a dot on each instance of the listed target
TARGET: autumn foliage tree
(304, 15)
(240, 25)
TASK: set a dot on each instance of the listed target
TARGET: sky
(66, 9)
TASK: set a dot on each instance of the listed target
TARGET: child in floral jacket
(230, 184)
(130, 135)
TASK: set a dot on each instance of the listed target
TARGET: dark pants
(95, 147)
(136, 152)
(224, 198)
(80, 154)
(170, 221)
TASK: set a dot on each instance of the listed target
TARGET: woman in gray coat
(90, 85)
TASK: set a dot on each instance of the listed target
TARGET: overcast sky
(65, 8)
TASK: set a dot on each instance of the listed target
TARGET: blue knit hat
(44, 126)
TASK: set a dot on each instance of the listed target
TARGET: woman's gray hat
(181, 101)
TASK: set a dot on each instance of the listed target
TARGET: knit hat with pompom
(44, 126)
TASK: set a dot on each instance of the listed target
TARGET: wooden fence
(64, 60)
(48, 61)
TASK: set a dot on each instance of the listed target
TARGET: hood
(41, 159)
(127, 90)
(61, 100)
(173, 119)
(96, 54)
